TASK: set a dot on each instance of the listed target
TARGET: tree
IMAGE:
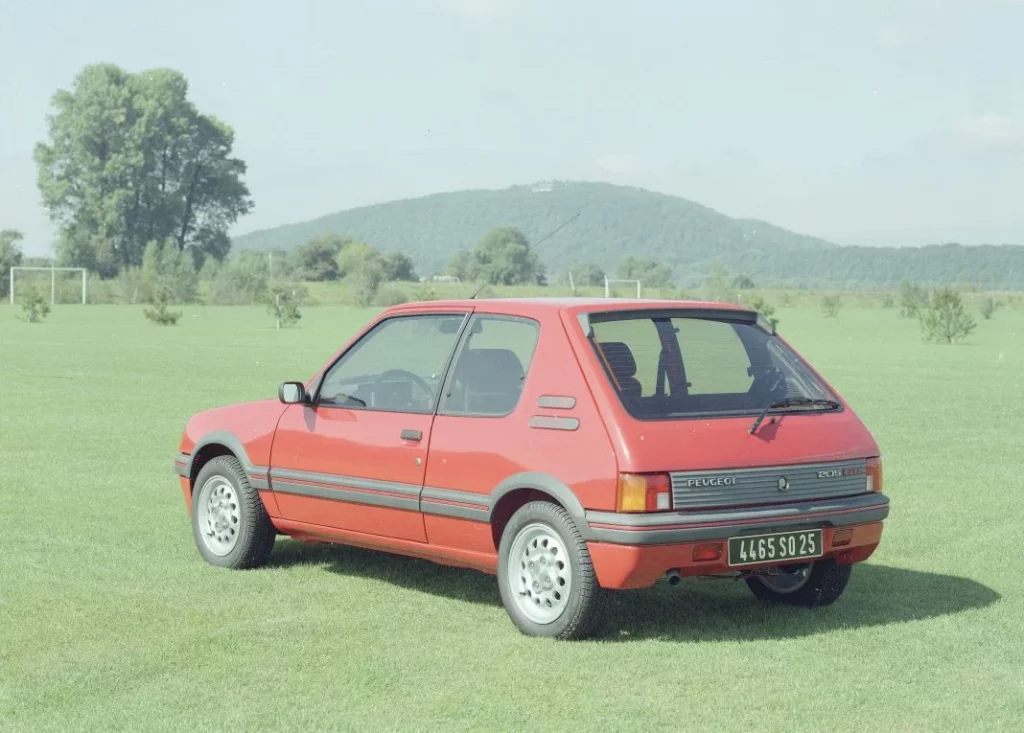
(159, 313)
(317, 259)
(458, 265)
(912, 299)
(282, 304)
(760, 305)
(718, 286)
(743, 282)
(241, 280)
(34, 307)
(651, 273)
(165, 266)
(355, 257)
(587, 273)
(830, 305)
(130, 159)
(503, 257)
(946, 320)
(10, 256)
(398, 266)
(988, 307)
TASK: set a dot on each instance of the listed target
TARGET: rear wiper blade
(792, 402)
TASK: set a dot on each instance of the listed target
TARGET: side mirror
(292, 393)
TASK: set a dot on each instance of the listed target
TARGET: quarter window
(490, 369)
(396, 367)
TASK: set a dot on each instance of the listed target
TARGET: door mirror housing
(293, 393)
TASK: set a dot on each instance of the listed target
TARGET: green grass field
(109, 620)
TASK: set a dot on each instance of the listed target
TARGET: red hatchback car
(570, 446)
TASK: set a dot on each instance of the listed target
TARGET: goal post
(53, 279)
(608, 286)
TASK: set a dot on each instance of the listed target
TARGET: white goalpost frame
(608, 289)
(53, 280)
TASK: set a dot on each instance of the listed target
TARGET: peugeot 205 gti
(570, 447)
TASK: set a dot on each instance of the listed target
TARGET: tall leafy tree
(503, 257)
(130, 160)
(317, 258)
(10, 256)
(651, 273)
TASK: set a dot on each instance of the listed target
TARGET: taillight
(874, 466)
(644, 492)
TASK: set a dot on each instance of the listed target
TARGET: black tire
(255, 533)
(586, 604)
(825, 583)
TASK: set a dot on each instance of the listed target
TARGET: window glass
(396, 367)
(490, 369)
(664, 367)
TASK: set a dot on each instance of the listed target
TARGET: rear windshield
(666, 367)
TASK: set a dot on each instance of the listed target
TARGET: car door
(354, 459)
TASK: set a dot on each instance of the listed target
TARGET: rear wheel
(812, 585)
(545, 574)
(230, 525)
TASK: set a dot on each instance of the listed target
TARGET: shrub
(830, 305)
(426, 293)
(365, 283)
(388, 296)
(888, 301)
(759, 304)
(946, 321)
(988, 307)
(159, 314)
(282, 303)
(34, 307)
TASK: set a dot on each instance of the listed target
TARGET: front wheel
(812, 585)
(229, 521)
(545, 574)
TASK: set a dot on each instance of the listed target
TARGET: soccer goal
(53, 280)
(608, 286)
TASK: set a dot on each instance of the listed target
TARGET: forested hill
(616, 221)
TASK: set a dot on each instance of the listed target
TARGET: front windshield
(665, 367)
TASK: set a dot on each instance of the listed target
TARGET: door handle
(414, 435)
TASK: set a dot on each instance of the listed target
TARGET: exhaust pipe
(673, 577)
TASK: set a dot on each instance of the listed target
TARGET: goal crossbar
(608, 283)
(53, 279)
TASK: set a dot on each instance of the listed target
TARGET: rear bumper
(635, 550)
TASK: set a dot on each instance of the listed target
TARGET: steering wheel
(407, 375)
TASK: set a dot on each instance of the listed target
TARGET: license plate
(764, 548)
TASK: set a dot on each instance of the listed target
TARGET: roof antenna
(543, 239)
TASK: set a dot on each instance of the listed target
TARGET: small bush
(830, 305)
(888, 301)
(34, 307)
(426, 293)
(988, 307)
(761, 306)
(946, 321)
(388, 296)
(282, 303)
(159, 313)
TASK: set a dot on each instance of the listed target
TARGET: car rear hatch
(690, 389)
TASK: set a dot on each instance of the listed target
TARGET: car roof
(536, 307)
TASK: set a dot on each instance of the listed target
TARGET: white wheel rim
(219, 519)
(787, 579)
(539, 574)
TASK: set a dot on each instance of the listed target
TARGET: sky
(895, 122)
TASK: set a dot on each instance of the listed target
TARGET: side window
(490, 369)
(396, 367)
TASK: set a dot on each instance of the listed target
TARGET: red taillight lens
(707, 552)
(644, 492)
(874, 467)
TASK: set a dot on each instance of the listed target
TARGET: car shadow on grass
(694, 610)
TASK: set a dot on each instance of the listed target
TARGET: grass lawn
(109, 620)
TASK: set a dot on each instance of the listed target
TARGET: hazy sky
(890, 122)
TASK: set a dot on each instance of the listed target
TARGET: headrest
(620, 358)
